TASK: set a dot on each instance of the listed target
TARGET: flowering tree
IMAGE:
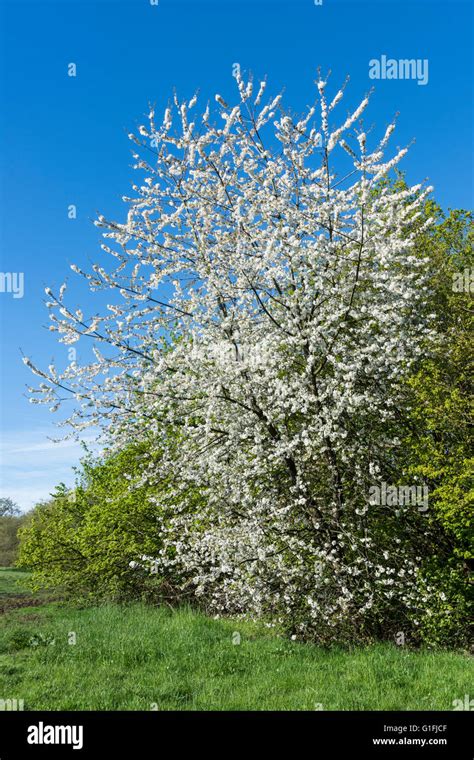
(267, 304)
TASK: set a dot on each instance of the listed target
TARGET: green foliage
(440, 444)
(84, 540)
(9, 539)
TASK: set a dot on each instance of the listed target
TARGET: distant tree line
(11, 520)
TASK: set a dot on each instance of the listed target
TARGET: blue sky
(64, 140)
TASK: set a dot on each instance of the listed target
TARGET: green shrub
(84, 539)
(440, 444)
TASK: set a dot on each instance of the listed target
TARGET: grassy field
(142, 658)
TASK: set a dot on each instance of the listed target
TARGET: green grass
(15, 593)
(13, 582)
(134, 657)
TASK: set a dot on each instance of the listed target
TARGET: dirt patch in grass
(30, 617)
(17, 602)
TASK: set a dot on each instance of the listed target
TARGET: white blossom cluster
(266, 303)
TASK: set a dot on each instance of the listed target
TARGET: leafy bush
(85, 539)
(440, 443)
